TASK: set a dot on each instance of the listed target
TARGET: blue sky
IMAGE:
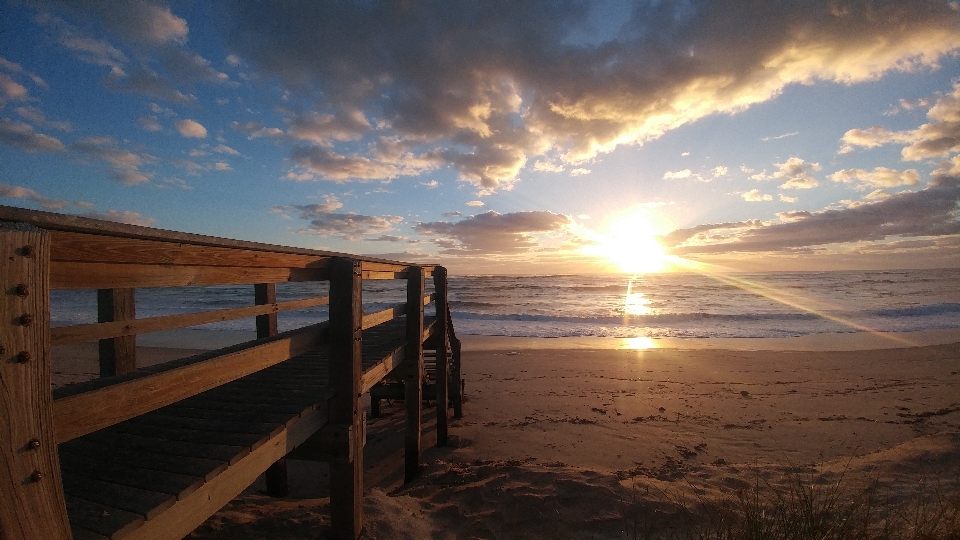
(501, 136)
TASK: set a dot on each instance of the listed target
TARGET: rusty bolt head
(36, 476)
(23, 357)
(26, 319)
(28, 251)
(22, 290)
(34, 444)
(3, 350)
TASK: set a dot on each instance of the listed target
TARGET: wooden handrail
(142, 391)
(80, 275)
(89, 332)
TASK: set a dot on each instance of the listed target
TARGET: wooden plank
(83, 534)
(371, 275)
(127, 452)
(429, 298)
(413, 373)
(380, 317)
(375, 374)
(110, 522)
(89, 332)
(346, 370)
(86, 247)
(266, 293)
(83, 275)
(84, 413)
(187, 514)
(118, 355)
(441, 375)
(236, 441)
(176, 484)
(144, 502)
(32, 504)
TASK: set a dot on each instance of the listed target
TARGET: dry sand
(588, 443)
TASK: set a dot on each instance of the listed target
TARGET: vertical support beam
(456, 391)
(31, 491)
(117, 355)
(413, 373)
(346, 317)
(266, 293)
(440, 301)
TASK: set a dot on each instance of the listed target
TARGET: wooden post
(31, 491)
(413, 373)
(117, 355)
(440, 294)
(456, 392)
(346, 319)
(266, 293)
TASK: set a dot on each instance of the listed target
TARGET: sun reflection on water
(635, 303)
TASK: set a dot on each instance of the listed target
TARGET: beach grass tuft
(798, 504)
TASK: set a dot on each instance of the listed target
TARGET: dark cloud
(491, 85)
(323, 221)
(928, 212)
(136, 21)
(125, 164)
(147, 82)
(492, 232)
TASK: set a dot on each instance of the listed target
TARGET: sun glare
(632, 246)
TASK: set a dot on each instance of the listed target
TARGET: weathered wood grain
(91, 275)
(118, 355)
(89, 332)
(84, 413)
(31, 493)
(440, 330)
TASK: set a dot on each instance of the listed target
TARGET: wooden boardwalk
(151, 453)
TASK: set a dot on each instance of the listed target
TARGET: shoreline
(200, 339)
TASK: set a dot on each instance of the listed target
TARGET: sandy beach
(568, 441)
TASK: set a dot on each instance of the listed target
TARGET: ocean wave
(920, 311)
(656, 319)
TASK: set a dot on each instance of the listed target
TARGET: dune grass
(800, 505)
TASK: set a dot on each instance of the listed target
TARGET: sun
(631, 244)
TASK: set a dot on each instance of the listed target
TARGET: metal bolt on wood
(34, 444)
(26, 319)
(28, 251)
(36, 476)
(23, 357)
(22, 290)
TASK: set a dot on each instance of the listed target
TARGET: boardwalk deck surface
(118, 479)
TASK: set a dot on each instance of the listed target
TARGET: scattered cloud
(778, 137)
(325, 128)
(125, 164)
(754, 195)
(147, 82)
(254, 130)
(675, 175)
(546, 166)
(224, 149)
(879, 177)
(222, 166)
(794, 171)
(21, 135)
(430, 185)
(787, 199)
(492, 232)
(149, 123)
(928, 212)
(719, 171)
(580, 172)
(474, 204)
(192, 129)
(323, 221)
(452, 214)
(19, 192)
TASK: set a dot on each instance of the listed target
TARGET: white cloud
(580, 172)
(149, 123)
(787, 199)
(323, 221)
(232, 60)
(546, 166)
(719, 171)
(224, 149)
(12, 90)
(754, 195)
(191, 128)
(879, 177)
(222, 166)
(19, 192)
(795, 172)
(474, 204)
(674, 175)
(125, 164)
(430, 185)
(254, 130)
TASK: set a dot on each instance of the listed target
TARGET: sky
(506, 137)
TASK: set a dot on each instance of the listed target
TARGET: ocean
(760, 305)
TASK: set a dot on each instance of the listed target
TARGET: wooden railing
(43, 251)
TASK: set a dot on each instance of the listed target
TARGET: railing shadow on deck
(184, 437)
